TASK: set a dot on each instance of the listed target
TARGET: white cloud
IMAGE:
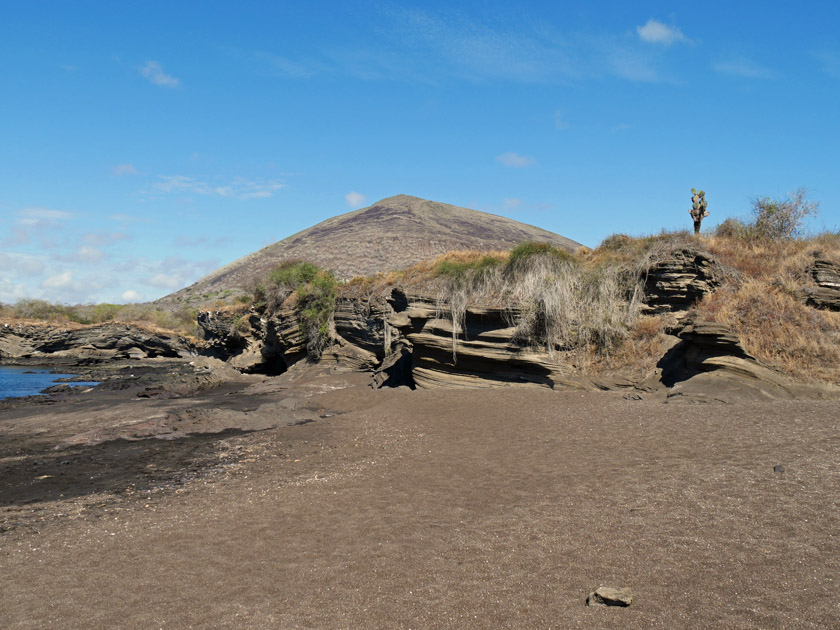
(655, 32)
(59, 281)
(512, 202)
(131, 296)
(21, 264)
(354, 199)
(154, 73)
(88, 254)
(124, 169)
(514, 160)
(742, 67)
(560, 121)
(239, 188)
(164, 281)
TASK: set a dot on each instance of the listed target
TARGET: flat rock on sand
(453, 509)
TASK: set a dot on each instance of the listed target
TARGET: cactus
(698, 210)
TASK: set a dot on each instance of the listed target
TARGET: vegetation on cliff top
(312, 292)
(181, 320)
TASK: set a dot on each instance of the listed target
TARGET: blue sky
(144, 144)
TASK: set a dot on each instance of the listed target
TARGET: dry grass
(641, 350)
(585, 304)
(779, 329)
(180, 320)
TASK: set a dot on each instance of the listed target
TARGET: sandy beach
(320, 503)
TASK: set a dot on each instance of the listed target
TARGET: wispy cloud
(514, 160)
(655, 32)
(201, 241)
(98, 239)
(21, 264)
(830, 60)
(511, 203)
(122, 217)
(85, 254)
(743, 67)
(560, 121)
(31, 216)
(285, 67)
(420, 46)
(164, 281)
(238, 188)
(354, 199)
(631, 64)
(124, 169)
(154, 74)
(484, 50)
(175, 272)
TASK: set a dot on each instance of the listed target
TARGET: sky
(145, 144)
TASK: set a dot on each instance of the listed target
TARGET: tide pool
(26, 381)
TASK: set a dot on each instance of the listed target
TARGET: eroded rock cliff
(31, 343)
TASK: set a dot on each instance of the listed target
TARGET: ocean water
(26, 381)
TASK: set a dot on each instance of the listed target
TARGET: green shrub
(315, 311)
(525, 252)
(733, 228)
(292, 274)
(462, 269)
(42, 310)
(315, 291)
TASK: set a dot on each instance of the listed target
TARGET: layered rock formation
(676, 282)
(483, 354)
(33, 343)
(407, 339)
(826, 274)
(250, 342)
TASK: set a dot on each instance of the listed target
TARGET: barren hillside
(393, 233)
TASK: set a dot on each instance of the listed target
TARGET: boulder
(607, 596)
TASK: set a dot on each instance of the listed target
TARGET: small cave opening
(272, 366)
(398, 300)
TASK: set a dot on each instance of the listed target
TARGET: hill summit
(393, 233)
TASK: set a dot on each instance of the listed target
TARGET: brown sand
(426, 509)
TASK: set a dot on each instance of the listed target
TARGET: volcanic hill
(393, 233)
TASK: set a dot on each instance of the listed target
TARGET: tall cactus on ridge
(698, 210)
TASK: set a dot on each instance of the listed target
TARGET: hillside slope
(393, 233)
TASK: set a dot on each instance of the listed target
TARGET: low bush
(315, 292)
